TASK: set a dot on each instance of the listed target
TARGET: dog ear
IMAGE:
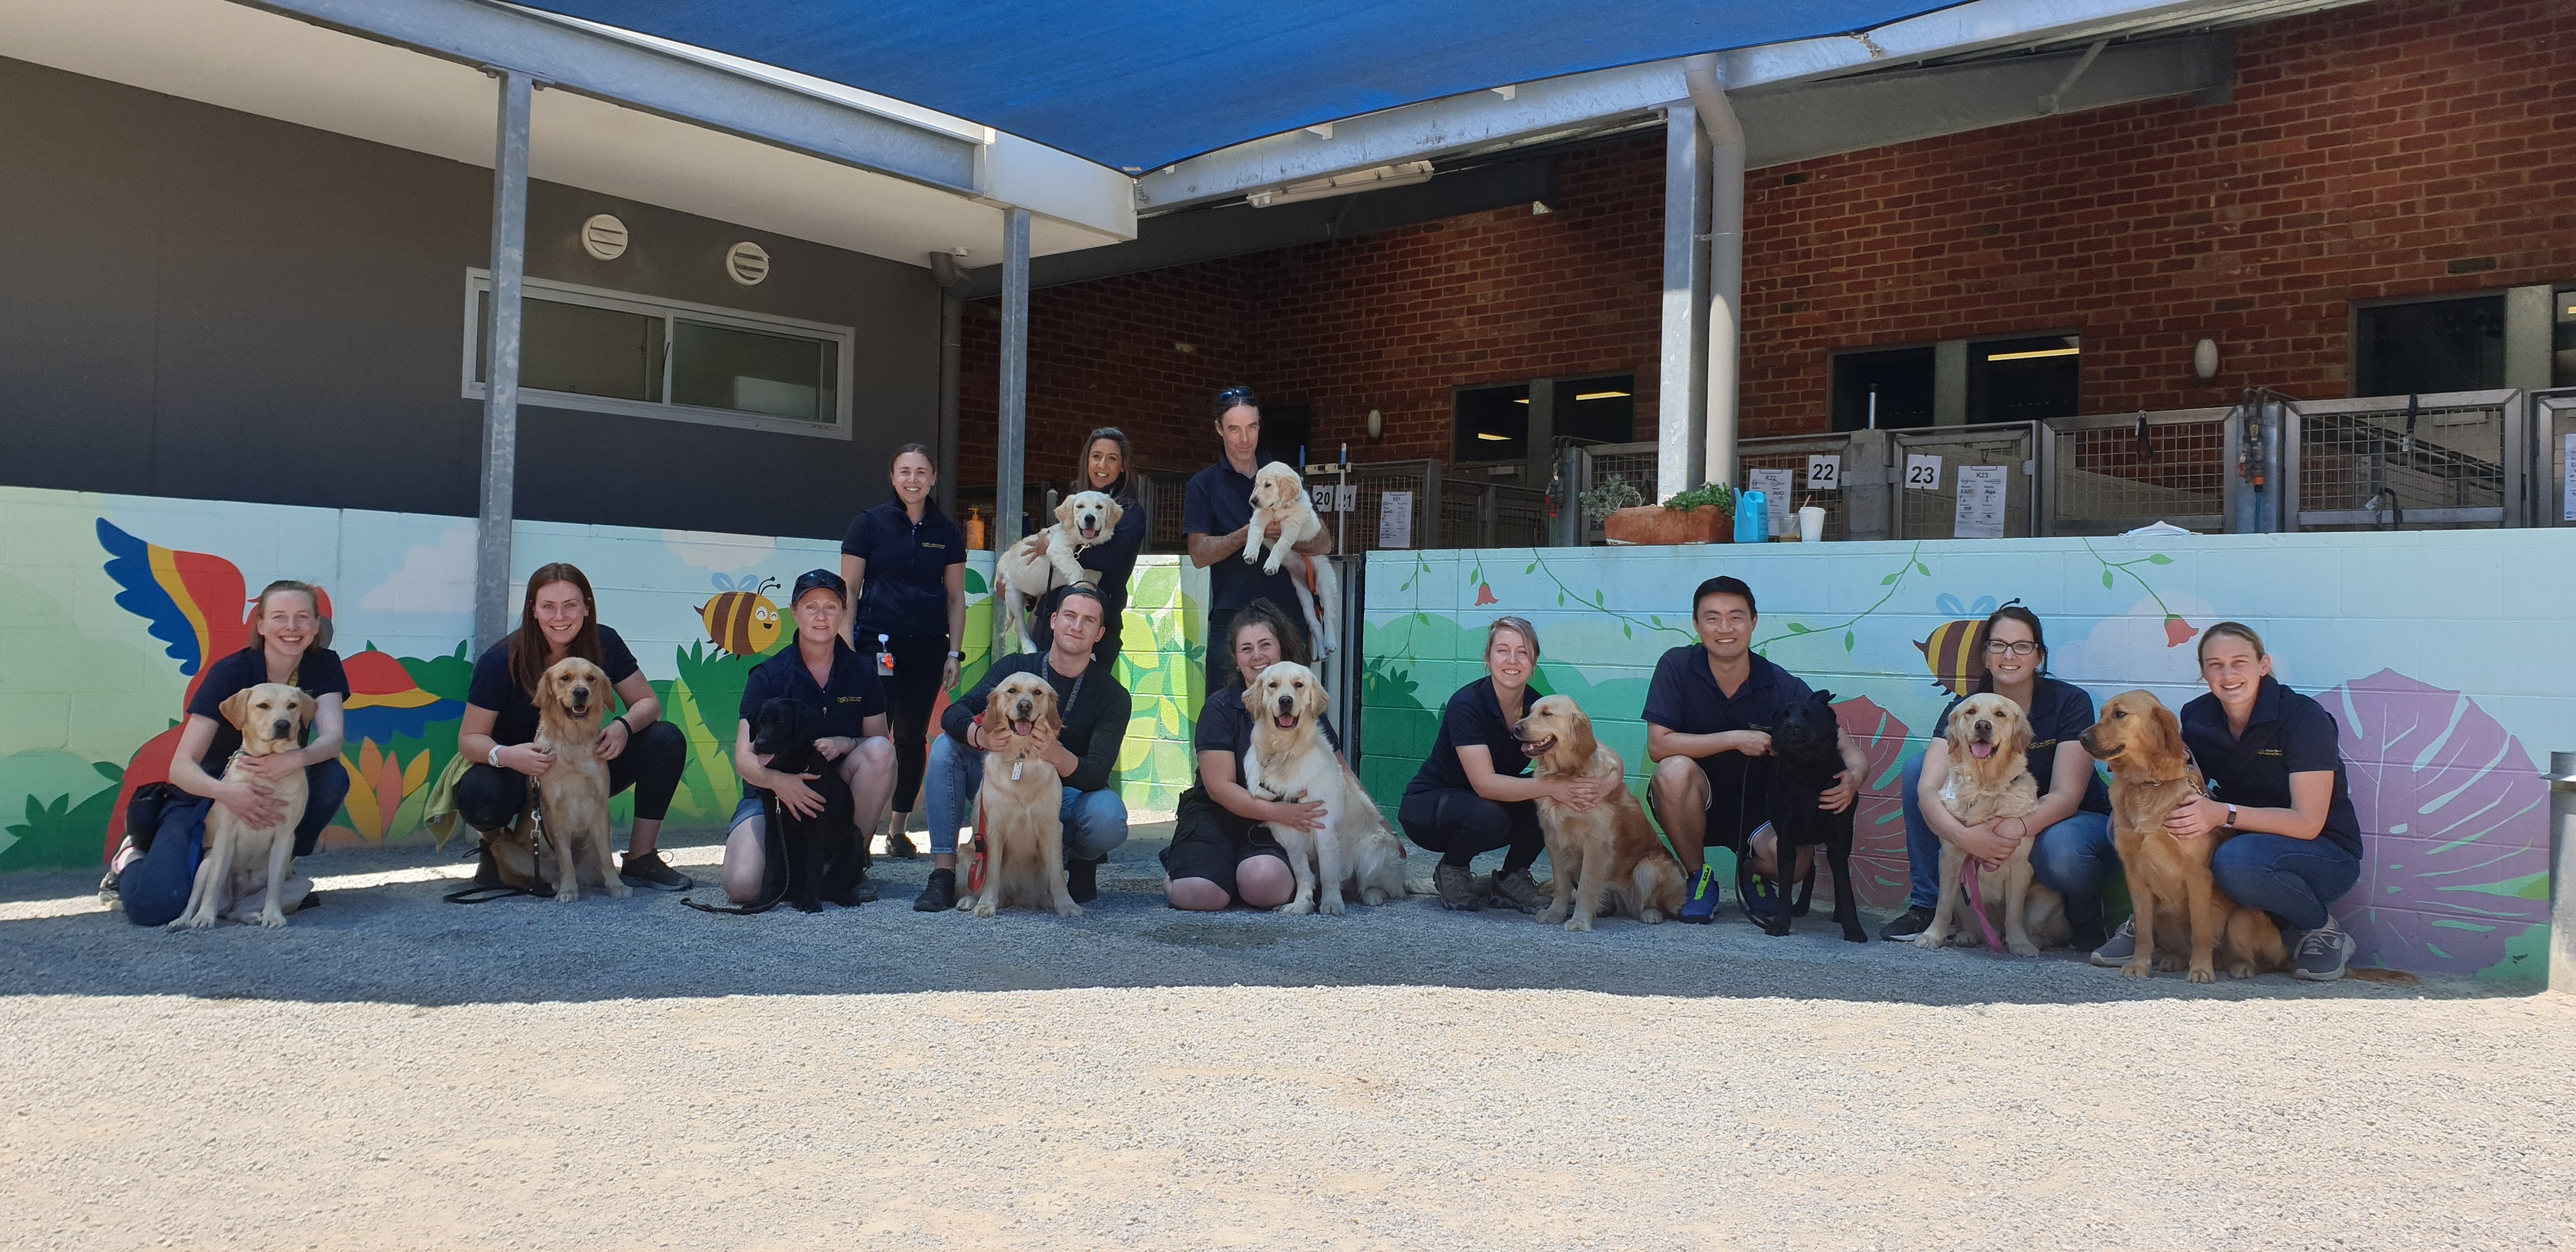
(2169, 746)
(2019, 743)
(1064, 511)
(1109, 520)
(305, 711)
(1580, 739)
(236, 706)
(1825, 698)
(994, 716)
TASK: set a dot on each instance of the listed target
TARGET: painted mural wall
(2440, 655)
(110, 606)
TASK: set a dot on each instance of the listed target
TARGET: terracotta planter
(1653, 523)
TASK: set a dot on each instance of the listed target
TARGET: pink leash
(1977, 899)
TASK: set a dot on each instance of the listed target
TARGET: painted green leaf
(1530, 568)
(975, 584)
(1926, 569)
(1600, 598)
(1849, 641)
(1560, 599)
(2106, 580)
(2159, 559)
(1625, 631)
(1891, 578)
(1797, 628)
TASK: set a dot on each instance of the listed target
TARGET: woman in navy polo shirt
(289, 644)
(824, 672)
(1223, 852)
(1474, 793)
(2072, 825)
(909, 563)
(1104, 469)
(559, 618)
(2276, 778)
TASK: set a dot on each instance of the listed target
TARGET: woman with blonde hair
(1474, 793)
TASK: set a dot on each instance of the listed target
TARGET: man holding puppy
(1709, 712)
(1217, 519)
(1094, 709)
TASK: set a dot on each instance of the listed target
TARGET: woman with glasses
(2071, 826)
(1104, 468)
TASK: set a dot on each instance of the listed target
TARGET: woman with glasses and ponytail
(2071, 826)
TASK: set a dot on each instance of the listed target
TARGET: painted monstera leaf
(1878, 821)
(2455, 832)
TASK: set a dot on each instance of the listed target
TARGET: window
(1285, 431)
(1597, 410)
(614, 352)
(2426, 346)
(1492, 424)
(1900, 379)
(2027, 379)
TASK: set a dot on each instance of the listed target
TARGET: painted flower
(1485, 594)
(2177, 631)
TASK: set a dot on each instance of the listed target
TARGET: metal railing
(1931, 510)
(2116, 472)
(2549, 419)
(2404, 462)
(1791, 453)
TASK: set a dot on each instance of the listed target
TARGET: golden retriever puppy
(1023, 802)
(271, 718)
(1279, 494)
(572, 795)
(1289, 760)
(1084, 519)
(1604, 859)
(2177, 901)
(1989, 746)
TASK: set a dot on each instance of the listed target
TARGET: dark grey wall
(202, 303)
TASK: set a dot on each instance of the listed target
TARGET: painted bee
(743, 620)
(1951, 650)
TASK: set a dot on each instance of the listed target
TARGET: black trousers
(491, 798)
(1458, 824)
(919, 662)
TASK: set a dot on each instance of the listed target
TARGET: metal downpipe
(1725, 260)
(952, 344)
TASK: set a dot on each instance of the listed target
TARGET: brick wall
(2392, 149)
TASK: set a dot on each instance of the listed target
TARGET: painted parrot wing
(193, 601)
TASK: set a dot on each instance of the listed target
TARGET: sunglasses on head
(1232, 396)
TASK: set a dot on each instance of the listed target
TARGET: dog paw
(1578, 924)
(1332, 904)
(1551, 916)
(566, 895)
(984, 909)
(1854, 934)
(2241, 969)
(272, 917)
(809, 906)
(1930, 942)
(1295, 908)
(2136, 968)
(1372, 897)
(616, 889)
(2201, 973)
(2021, 947)
(1652, 917)
(1068, 909)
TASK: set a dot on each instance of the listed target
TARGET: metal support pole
(2562, 872)
(952, 341)
(1725, 261)
(1682, 385)
(501, 358)
(1011, 449)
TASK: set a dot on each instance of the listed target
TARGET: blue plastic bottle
(1752, 517)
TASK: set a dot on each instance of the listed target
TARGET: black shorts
(1209, 842)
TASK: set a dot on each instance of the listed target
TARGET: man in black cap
(1216, 518)
(823, 672)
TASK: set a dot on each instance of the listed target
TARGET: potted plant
(1703, 514)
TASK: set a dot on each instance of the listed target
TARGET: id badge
(885, 658)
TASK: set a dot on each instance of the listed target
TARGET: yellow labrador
(572, 704)
(1279, 494)
(1988, 742)
(1023, 803)
(1083, 520)
(1604, 859)
(1353, 853)
(271, 718)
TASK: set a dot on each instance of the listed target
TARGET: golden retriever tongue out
(1981, 750)
(1285, 721)
(1024, 728)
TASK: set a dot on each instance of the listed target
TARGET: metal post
(2280, 507)
(952, 342)
(1682, 383)
(1011, 449)
(501, 358)
(1725, 261)
(2562, 872)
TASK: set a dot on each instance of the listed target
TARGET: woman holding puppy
(823, 672)
(2072, 825)
(1105, 460)
(1222, 851)
(1474, 793)
(559, 618)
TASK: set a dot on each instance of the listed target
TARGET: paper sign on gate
(1980, 512)
(1774, 486)
(1922, 473)
(1825, 472)
(1395, 519)
(2567, 507)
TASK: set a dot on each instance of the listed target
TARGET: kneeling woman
(823, 672)
(1222, 850)
(1474, 793)
(559, 619)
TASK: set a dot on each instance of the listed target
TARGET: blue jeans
(2071, 857)
(326, 788)
(2291, 879)
(1094, 821)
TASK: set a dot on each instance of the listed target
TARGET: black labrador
(825, 859)
(1806, 759)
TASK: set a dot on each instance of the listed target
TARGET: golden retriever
(271, 718)
(2151, 773)
(1279, 495)
(1353, 852)
(568, 804)
(1023, 803)
(1605, 858)
(1084, 519)
(1989, 745)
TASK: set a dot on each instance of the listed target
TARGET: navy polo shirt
(1474, 718)
(2287, 734)
(904, 590)
(318, 674)
(847, 702)
(1225, 725)
(1220, 503)
(514, 707)
(2059, 712)
(1684, 697)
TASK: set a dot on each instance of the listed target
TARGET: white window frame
(478, 281)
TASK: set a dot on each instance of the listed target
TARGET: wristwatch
(957, 656)
(2231, 817)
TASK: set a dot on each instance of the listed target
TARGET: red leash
(1977, 900)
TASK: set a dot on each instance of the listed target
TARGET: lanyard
(1075, 696)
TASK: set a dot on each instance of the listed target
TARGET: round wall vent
(603, 236)
(747, 262)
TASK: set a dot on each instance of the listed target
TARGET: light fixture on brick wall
(2204, 360)
(1376, 424)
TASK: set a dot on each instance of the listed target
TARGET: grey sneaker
(1517, 890)
(2123, 945)
(1458, 888)
(2320, 955)
(650, 870)
(1909, 924)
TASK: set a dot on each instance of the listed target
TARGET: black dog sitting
(1806, 761)
(825, 860)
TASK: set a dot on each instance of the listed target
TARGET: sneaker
(2122, 945)
(940, 895)
(1456, 885)
(1700, 906)
(1515, 889)
(107, 893)
(2320, 954)
(1764, 903)
(1082, 880)
(1909, 924)
(899, 846)
(650, 870)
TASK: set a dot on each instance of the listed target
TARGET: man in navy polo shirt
(1217, 517)
(1709, 713)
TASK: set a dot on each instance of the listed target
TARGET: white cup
(1811, 524)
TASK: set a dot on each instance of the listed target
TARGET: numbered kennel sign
(1774, 486)
(1825, 472)
(1329, 498)
(1980, 511)
(1922, 472)
(1395, 519)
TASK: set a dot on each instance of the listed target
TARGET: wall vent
(747, 263)
(603, 236)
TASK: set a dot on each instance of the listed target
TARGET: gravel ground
(394, 1072)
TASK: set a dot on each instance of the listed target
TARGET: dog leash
(487, 892)
(1977, 901)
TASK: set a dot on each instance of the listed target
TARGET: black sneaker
(1909, 924)
(1082, 880)
(650, 870)
(899, 846)
(940, 895)
(107, 893)
(1764, 903)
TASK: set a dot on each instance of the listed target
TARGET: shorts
(1209, 842)
(752, 806)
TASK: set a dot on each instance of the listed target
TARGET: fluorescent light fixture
(1491, 436)
(1522, 400)
(1601, 395)
(1404, 175)
(2035, 353)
